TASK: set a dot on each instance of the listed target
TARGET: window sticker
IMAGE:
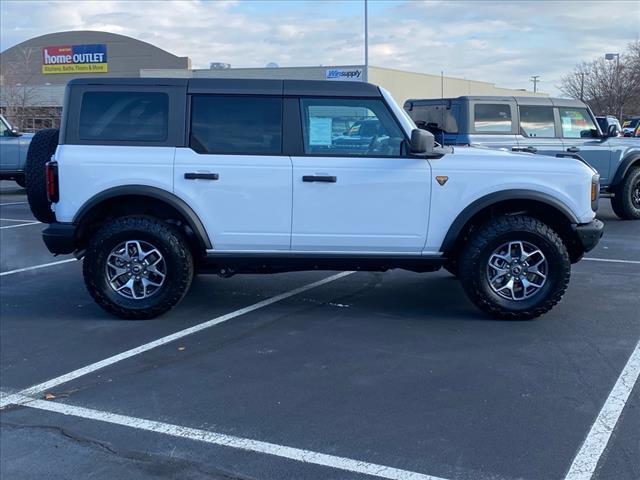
(320, 131)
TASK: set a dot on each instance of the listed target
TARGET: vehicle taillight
(51, 172)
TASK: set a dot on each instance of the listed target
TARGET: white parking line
(13, 203)
(36, 267)
(585, 463)
(16, 220)
(611, 260)
(247, 444)
(20, 225)
(41, 387)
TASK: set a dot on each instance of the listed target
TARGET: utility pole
(582, 74)
(534, 79)
(365, 77)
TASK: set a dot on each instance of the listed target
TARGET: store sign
(75, 59)
(349, 75)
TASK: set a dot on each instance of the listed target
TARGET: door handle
(319, 178)
(573, 149)
(528, 149)
(201, 176)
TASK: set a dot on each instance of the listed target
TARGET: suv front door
(234, 174)
(353, 190)
(580, 135)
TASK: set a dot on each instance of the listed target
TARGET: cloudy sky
(504, 42)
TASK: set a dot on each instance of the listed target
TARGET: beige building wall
(404, 85)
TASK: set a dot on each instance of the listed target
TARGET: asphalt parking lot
(317, 375)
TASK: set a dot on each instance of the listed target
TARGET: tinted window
(492, 118)
(124, 116)
(436, 118)
(577, 123)
(4, 131)
(537, 122)
(236, 124)
(349, 127)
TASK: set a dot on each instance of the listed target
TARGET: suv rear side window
(577, 123)
(236, 124)
(124, 116)
(537, 122)
(436, 118)
(349, 127)
(492, 118)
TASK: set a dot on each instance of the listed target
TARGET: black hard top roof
(558, 102)
(246, 86)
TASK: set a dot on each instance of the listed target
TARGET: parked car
(13, 152)
(540, 125)
(152, 180)
(606, 122)
(630, 125)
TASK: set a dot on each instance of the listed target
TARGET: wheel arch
(140, 199)
(510, 202)
(631, 160)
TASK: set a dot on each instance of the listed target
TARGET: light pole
(611, 56)
(365, 77)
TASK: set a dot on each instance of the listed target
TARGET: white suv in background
(153, 180)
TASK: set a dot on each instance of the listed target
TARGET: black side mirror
(422, 142)
(612, 131)
(15, 132)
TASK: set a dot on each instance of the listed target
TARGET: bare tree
(17, 90)
(608, 87)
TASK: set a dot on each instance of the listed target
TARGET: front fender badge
(442, 179)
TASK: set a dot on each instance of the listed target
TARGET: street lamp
(611, 56)
(366, 41)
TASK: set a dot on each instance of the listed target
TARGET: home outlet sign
(75, 59)
(344, 74)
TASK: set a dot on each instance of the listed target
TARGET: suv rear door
(233, 172)
(539, 130)
(360, 195)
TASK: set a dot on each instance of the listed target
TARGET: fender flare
(624, 167)
(152, 192)
(497, 197)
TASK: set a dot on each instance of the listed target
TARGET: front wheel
(626, 201)
(138, 267)
(515, 268)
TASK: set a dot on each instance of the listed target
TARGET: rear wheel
(515, 268)
(626, 201)
(138, 267)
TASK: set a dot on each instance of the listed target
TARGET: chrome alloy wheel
(517, 270)
(136, 269)
(635, 195)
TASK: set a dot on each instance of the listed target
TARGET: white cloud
(501, 42)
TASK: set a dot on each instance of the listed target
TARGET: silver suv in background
(557, 127)
(13, 152)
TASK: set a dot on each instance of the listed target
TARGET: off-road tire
(43, 145)
(622, 202)
(475, 256)
(166, 238)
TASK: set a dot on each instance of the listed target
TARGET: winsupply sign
(75, 59)
(349, 75)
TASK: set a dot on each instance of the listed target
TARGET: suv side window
(577, 123)
(492, 118)
(236, 124)
(3, 129)
(124, 116)
(349, 127)
(437, 118)
(537, 121)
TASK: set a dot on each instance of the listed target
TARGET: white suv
(153, 180)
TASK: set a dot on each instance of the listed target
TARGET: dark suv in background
(543, 126)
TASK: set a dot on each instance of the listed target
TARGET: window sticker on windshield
(320, 131)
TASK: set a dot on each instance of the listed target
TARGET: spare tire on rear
(43, 146)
